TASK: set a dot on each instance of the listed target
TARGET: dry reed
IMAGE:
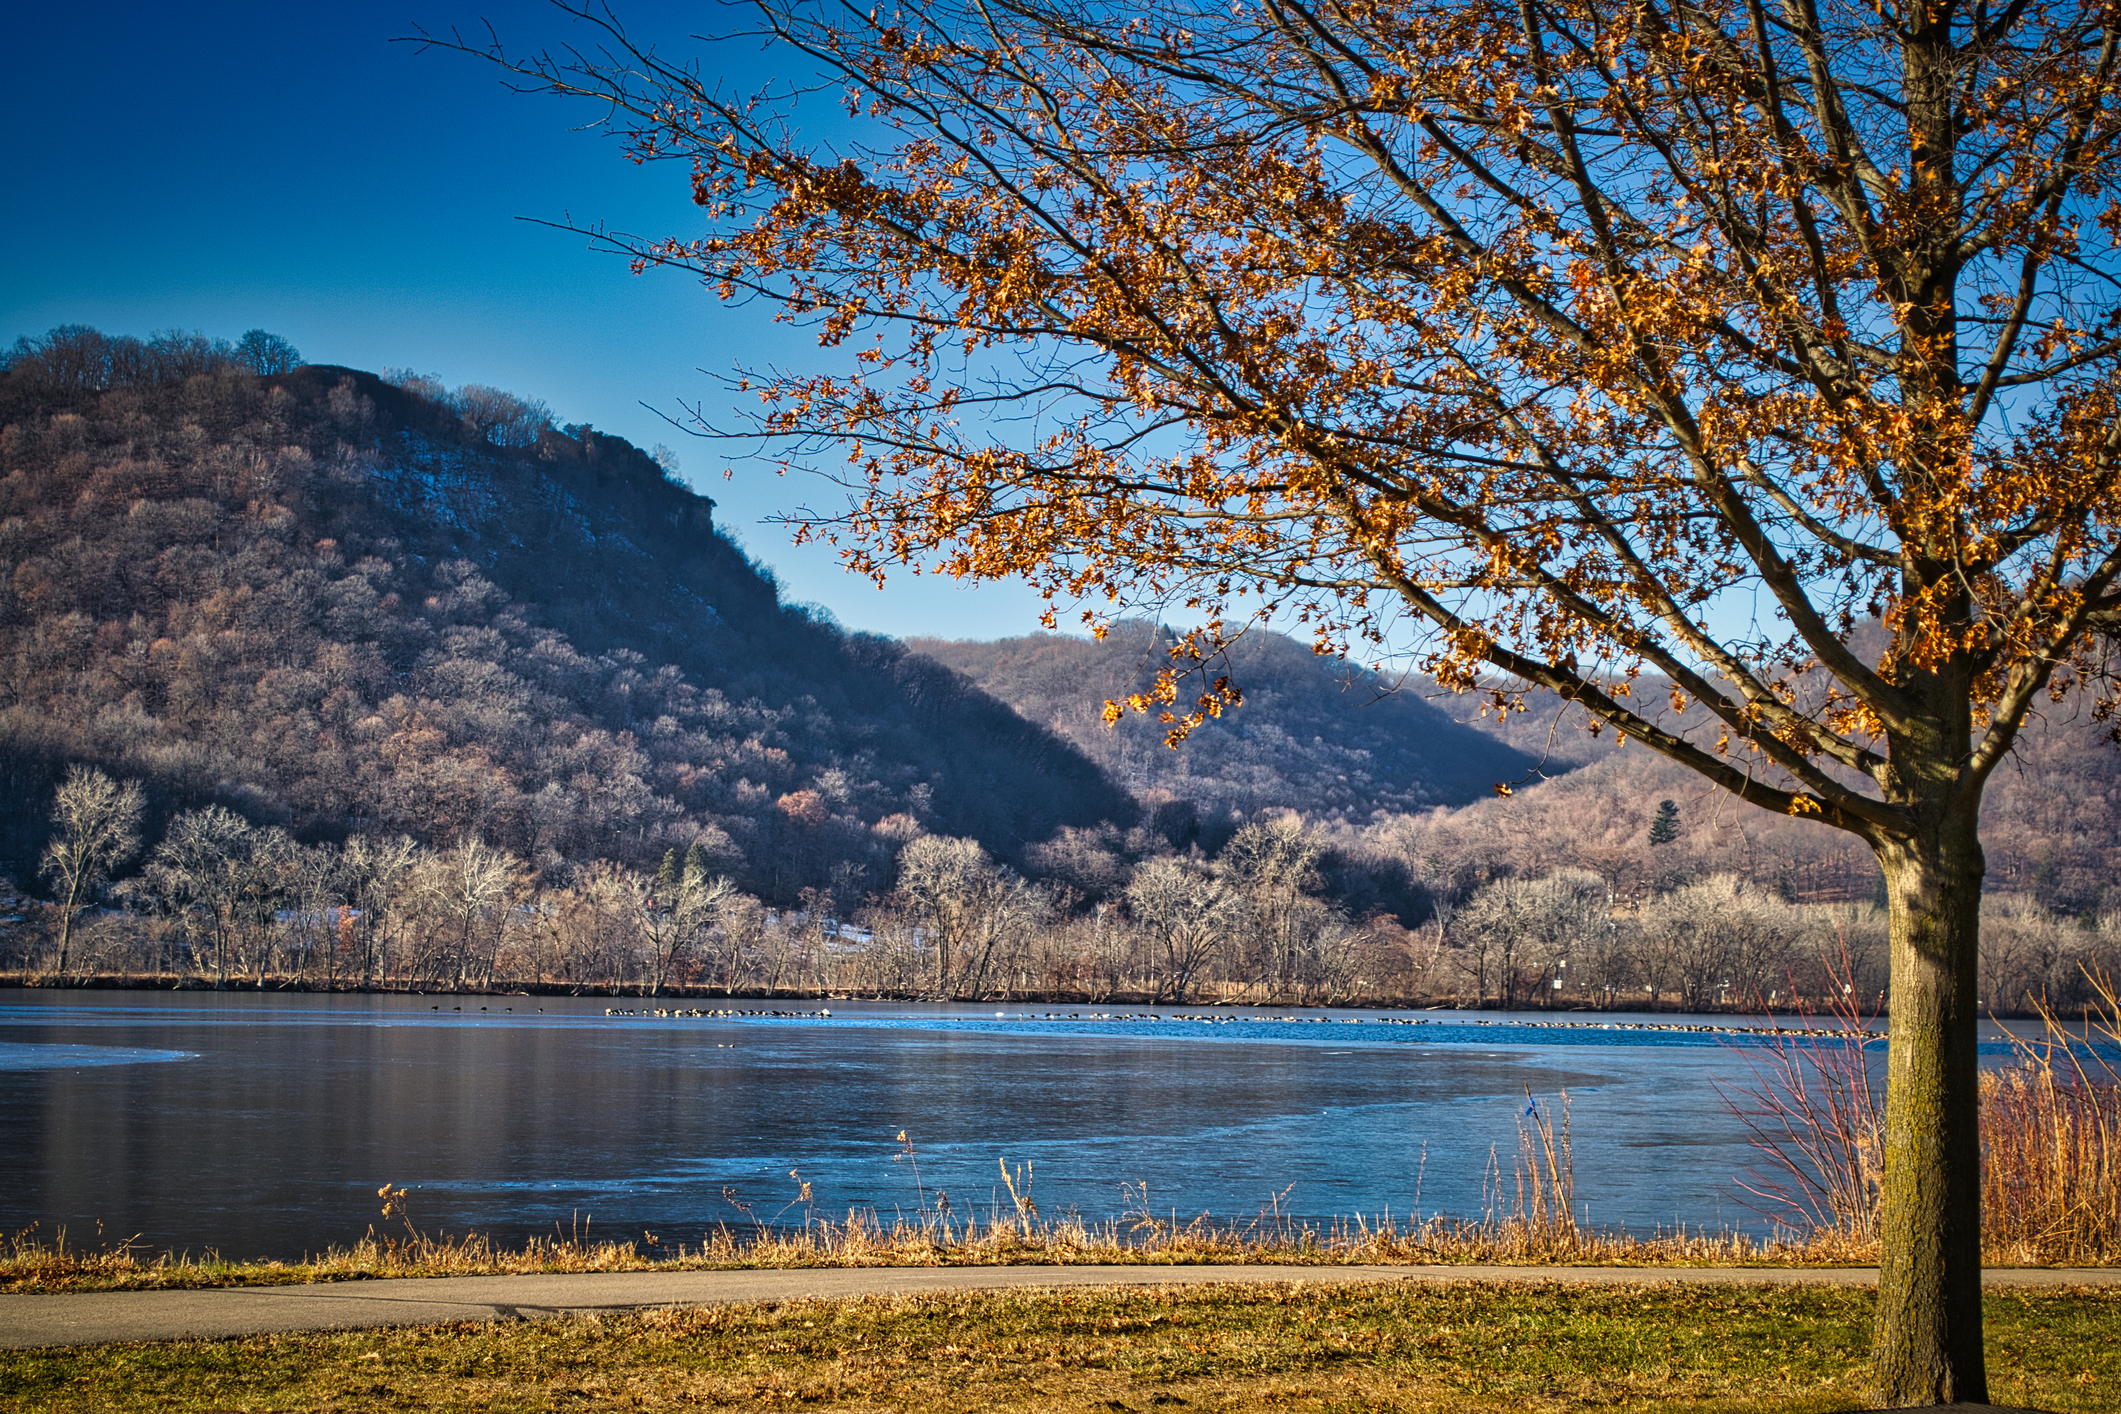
(2050, 1140)
(1816, 1114)
(862, 1240)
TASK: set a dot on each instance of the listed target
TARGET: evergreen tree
(1665, 828)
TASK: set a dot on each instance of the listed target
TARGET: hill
(339, 604)
(1407, 777)
(1315, 735)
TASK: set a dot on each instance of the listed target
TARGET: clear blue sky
(229, 166)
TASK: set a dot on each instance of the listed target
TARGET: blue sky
(229, 166)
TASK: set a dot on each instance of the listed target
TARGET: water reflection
(272, 1132)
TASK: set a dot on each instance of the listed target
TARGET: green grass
(1279, 1348)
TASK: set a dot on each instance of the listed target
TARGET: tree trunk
(68, 911)
(1927, 1343)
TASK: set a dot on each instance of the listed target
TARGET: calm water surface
(262, 1125)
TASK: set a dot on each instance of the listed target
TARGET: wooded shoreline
(1144, 997)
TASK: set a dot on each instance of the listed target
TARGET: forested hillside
(1409, 775)
(1315, 735)
(341, 605)
(2050, 821)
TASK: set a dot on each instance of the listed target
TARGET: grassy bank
(1530, 1220)
(1284, 1348)
(31, 1266)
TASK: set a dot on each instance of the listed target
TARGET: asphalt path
(106, 1317)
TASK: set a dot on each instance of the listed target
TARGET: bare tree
(268, 874)
(958, 897)
(201, 873)
(1273, 866)
(1336, 953)
(500, 417)
(2030, 956)
(99, 828)
(1725, 942)
(1517, 931)
(315, 890)
(1007, 910)
(262, 352)
(373, 873)
(467, 888)
(1188, 915)
(686, 898)
(739, 924)
(1610, 961)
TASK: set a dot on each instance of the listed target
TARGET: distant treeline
(1410, 776)
(223, 903)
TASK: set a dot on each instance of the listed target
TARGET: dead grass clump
(31, 1262)
(2050, 1140)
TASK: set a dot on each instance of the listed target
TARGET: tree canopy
(1569, 340)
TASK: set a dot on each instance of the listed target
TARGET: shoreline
(636, 992)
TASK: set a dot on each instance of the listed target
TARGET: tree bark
(68, 911)
(1927, 1341)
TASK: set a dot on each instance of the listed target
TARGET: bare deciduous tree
(1273, 865)
(1188, 914)
(955, 895)
(200, 872)
(468, 889)
(1721, 940)
(99, 828)
(373, 873)
(1516, 932)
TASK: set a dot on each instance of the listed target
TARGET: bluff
(339, 604)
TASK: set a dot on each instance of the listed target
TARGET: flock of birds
(708, 1012)
(1694, 1026)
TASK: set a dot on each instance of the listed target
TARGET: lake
(262, 1125)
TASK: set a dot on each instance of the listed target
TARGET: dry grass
(2051, 1141)
(1245, 1350)
(2051, 1180)
(28, 1264)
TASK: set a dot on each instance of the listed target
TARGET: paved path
(97, 1318)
